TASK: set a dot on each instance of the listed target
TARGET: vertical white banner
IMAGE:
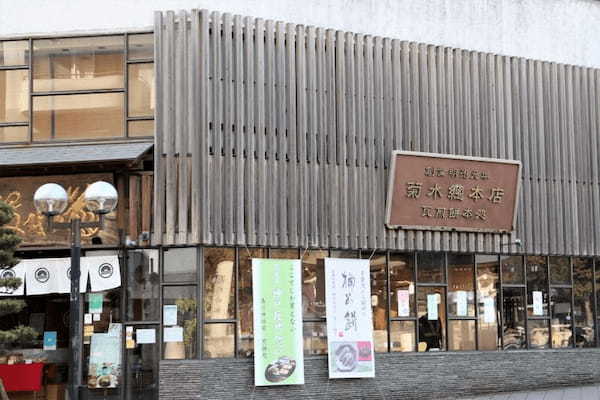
(349, 318)
(278, 342)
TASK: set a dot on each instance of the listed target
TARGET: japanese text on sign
(431, 191)
(349, 318)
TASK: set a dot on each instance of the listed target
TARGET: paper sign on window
(489, 310)
(461, 303)
(538, 308)
(403, 303)
(432, 307)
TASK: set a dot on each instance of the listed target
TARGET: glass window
(344, 254)
(218, 340)
(315, 338)
(403, 336)
(513, 312)
(461, 335)
(560, 270)
(78, 63)
(14, 95)
(14, 52)
(141, 94)
(538, 333)
(179, 265)
(430, 268)
(461, 294)
(562, 333)
(512, 270)
(142, 368)
(537, 286)
(78, 116)
(143, 285)
(246, 314)
(219, 283)
(140, 128)
(10, 134)
(184, 297)
(286, 254)
(141, 46)
(487, 291)
(584, 302)
(379, 299)
(313, 283)
(597, 272)
(402, 285)
(431, 310)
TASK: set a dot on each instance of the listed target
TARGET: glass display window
(537, 286)
(219, 283)
(514, 318)
(431, 267)
(488, 284)
(583, 297)
(461, 286)
(402, 285)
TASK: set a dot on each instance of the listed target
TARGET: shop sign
(31, 226)
(349, 318)
(442, 192)
(278, 350)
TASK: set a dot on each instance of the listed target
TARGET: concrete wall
(398, 376)
(564, 31)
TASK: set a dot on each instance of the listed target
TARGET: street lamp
(51, 200)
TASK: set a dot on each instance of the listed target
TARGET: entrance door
(141, 336)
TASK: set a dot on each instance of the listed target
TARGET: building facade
(234, 137)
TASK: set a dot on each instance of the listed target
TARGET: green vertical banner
(277, 298)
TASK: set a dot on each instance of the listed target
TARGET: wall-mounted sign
(278, 350)
(32, 227)
(349, 318)
(442, 192)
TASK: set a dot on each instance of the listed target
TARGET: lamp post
(51, 200)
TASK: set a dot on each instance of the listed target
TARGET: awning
(73, 154)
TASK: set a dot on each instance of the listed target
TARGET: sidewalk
(568, 393)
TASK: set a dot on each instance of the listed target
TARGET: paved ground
(572, 393)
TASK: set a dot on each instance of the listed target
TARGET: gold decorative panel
(33, 227)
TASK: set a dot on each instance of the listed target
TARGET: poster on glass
(105, 361)
(349, 318)
(278, 353)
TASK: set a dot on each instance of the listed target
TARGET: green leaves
(9, 240)
(20, 334)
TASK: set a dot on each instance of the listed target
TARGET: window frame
(235, 322)
(125, 90)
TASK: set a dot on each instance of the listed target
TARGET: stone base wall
(398, 376)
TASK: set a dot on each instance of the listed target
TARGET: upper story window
(77, 88)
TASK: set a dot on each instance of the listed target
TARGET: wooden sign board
(430, 191)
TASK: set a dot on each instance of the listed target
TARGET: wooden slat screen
(277, 134)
